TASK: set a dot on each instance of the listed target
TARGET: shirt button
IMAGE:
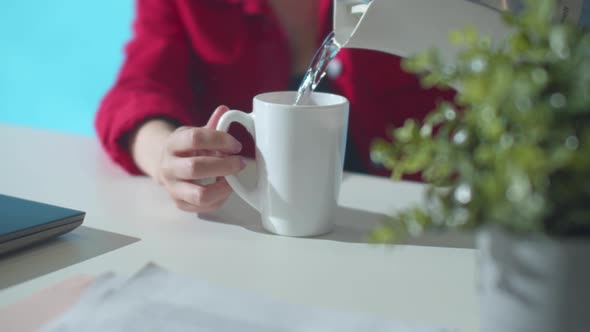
(334, 69)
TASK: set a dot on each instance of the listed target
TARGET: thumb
(214, 119)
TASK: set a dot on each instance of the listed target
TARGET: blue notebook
(24, 222)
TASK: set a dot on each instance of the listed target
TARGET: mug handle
(246, 120)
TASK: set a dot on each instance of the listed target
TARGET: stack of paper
(157, 300)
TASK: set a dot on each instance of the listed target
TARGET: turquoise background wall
(58, 58)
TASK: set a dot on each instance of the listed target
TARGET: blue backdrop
(58, 58)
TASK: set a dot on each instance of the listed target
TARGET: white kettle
(404, 27)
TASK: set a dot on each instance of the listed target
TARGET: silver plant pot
(533, 283)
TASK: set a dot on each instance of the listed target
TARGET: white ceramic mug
(299, 159)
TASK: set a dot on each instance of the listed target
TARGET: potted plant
(509, 157)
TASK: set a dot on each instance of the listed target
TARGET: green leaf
(517, 133)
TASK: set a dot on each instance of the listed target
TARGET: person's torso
(240, 51)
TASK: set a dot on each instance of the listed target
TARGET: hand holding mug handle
(252, 197)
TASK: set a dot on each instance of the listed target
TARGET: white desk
(434, 284)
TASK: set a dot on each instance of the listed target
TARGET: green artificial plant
(513, 147)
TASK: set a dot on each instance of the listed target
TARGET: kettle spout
(347, 16)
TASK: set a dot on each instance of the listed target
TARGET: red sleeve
(153, 81)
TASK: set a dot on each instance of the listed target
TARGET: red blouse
(187, 57)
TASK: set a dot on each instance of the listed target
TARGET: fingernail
(237, 146)
(243, 162)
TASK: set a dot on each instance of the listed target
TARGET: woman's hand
(189, 155)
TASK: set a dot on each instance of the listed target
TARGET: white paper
(157, 300)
